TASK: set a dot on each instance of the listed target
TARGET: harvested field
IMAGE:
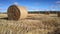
(33, 24)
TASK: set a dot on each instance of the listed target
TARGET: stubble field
(33, 24)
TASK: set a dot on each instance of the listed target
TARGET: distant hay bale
(16, 12)
(58, 14)
(47, 13)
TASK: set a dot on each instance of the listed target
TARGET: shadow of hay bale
(6, 18)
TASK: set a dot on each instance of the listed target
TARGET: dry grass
(3, 15)
(33, 24)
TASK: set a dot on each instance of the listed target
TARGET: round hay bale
(16, 12)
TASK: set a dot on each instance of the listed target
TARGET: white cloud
(15, 3)
(1, 4)
(58, 2)
(37, 4)
(0, 8)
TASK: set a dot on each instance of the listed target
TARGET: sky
(32, 5)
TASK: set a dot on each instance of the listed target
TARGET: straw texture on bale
(16, 12)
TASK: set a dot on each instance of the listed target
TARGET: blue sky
(32, 5)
